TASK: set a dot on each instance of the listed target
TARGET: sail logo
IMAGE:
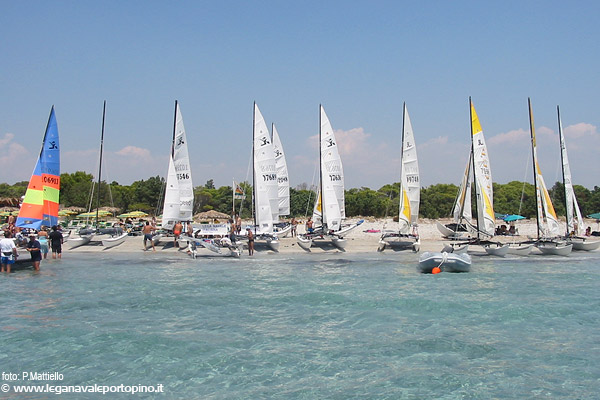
(181, 167)
(53, 145)
(179, 142)
(329, 142)
(282, 179)
(264, 141)
(267, 168)
(278, 153)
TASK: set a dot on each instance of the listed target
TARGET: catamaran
(265, 187)
(484, 229)
(547, 222)
(329, 210)
(575, 223)
(407, 237)
(40, 204)
(461, 211)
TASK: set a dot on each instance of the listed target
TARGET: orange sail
(40, 205)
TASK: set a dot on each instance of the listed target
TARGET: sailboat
(547, 222)
(179, 193)
(407, 236)
(329, 208)
(575, 223)
(283, 185)
(265, 187)
(40, 205)
(484, 229)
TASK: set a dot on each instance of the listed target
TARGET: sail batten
(41, 201)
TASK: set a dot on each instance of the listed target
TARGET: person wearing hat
(35, 250)
(250, 241)
(9, 251)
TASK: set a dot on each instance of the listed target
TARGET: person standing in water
(56, 241)
(9, 252)
(35, 250)
(250, 241)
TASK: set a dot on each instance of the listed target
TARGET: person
(232, 231)
(309, 225)
(588, 231)
(9, 252)
(147, 230)
(250, 241)
(43, 239)
(294, 224)
(56, 241)
(35, 251)
(238, 224)
(177, 229)
(189, 230)
(154, 221)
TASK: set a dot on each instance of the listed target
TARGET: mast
(323, 223)
(100, 163)
(474, 169)
(531, 130)
(174, 129)
(562, 162)
(402, 159)
(254, 168)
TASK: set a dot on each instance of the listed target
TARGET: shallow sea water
(307, 326)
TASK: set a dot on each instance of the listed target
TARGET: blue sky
(361, 60)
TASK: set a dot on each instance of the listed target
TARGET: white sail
(462, 205)
(410, 187)
(483, 178)
(171, 203)
(332, 176)
(181, 161)
(266, 199)
(546, 216)
(575, 221)
(283, 183)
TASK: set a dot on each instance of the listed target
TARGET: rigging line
(524, 182)
(247, 174)
(312, 184)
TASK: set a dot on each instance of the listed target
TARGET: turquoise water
(308, 326)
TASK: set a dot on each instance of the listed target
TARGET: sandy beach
(361, 240)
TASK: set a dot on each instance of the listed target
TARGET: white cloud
(16, 161)
(137, 153)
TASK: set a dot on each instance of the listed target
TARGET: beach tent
(512, 217)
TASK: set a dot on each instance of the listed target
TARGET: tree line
(436, 200)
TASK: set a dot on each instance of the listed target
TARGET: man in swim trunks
(250, 241)
(56, 240)
(147, 231)
(9, 252)
(176, 233)
(35, 250)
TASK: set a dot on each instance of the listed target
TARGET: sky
(360, 59)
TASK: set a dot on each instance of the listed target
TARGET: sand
(360, 240)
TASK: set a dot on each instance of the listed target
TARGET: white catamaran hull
(209, 247)
(496, 250)
(584, 244)
(520, 249)
(398, 241)
(80, 241)
(555, 248)
(114, 241)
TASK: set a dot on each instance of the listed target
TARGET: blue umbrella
(513, 217)
(595, 216)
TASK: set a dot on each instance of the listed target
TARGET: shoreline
(359, 240)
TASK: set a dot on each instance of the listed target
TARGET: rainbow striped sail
(40, 205)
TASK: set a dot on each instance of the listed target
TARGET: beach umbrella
(211, 214)
(594, 215)
(512, 217)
